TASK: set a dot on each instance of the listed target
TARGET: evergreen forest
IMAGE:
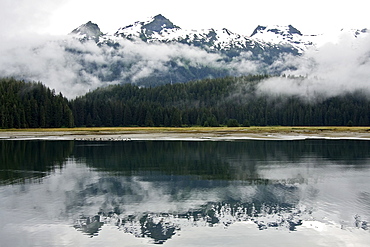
(32, 105)
(229, 101)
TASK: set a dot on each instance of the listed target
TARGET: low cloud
(146, 59)
(46, 59)
(73, 68)
(243, 64)
(65, 64)
(330, 70)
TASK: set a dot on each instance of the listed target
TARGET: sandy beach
(195, 134)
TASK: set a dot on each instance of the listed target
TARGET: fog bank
(330, 70)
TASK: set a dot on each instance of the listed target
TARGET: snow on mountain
(88, 31)
(197, 54)
(161, 29)
(155, 28)
(282, 35)
(358, 32)
(336, 36)
(214, 39)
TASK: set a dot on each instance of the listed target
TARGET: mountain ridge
(160, 29)
(157, 51)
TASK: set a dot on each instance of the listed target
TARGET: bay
(185, 193)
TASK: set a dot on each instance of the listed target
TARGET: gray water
(184, 193)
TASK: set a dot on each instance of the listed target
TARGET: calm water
(178, 193)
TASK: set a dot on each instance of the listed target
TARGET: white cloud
(26, 16)
(332, 69)
(45, 59)
(73, 68)
(243, 64)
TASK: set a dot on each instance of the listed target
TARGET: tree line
(229, 101)
(32, 105)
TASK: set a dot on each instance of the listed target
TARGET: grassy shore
(253, 129)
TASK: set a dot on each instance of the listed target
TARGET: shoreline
(188, 133)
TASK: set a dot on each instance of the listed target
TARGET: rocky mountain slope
(157, 51)
(161, 29)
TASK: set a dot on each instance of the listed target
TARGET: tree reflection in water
(156, 189)
(192, 166)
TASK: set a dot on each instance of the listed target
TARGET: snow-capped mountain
(335, 36)
(160, 29)
(282, 35)
(156, 28)
(274, 39)
(88, 31)
(138, 52)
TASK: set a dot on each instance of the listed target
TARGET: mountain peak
(258, 29)
(145, 30)
(88, 31)
(287, 36)
(278, 30)
(158, 23)
(293, 30)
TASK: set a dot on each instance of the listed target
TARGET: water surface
(185, 193)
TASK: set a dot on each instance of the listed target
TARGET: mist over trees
(229, 101)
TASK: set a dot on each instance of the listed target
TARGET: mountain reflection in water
(162, 226)
(157, 189)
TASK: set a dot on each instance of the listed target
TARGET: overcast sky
(28, 26)
(240, 16)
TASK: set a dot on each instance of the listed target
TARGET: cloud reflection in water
(157, 191)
